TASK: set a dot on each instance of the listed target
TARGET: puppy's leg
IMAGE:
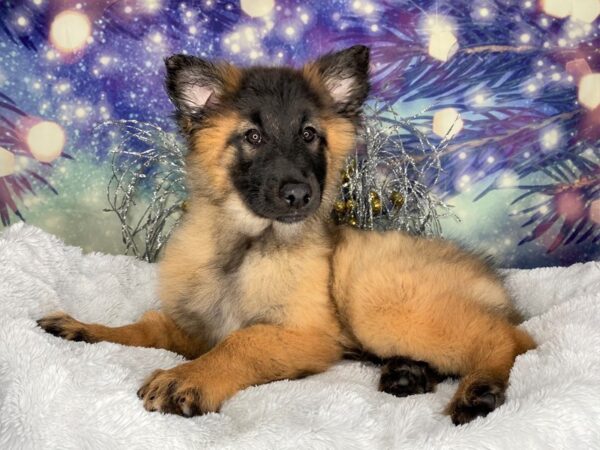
(254, 355)
(482, 388)
(453, 335)
(154, 329)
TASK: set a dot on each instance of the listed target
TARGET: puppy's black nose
(296, 195)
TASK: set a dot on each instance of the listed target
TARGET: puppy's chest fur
(212, 287)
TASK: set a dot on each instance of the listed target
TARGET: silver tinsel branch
(147, 187)
(385, 185)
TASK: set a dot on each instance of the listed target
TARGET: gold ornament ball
(375, 202)
(376, 206)
(352, 221)
(397, 199)
(350, 204)
(339, 206)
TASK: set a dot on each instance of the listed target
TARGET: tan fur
(264, 300)
(154, 329)
(210, 158)
(254, 355)
(427, 300)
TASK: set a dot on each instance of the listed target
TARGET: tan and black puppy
(257, 285)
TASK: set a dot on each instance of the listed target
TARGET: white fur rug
(56, 394)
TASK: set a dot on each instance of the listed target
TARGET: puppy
(257, 284)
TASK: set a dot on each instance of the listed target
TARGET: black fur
(352, 63)
(400, 376)
(479, 401)
(279, 103)
(403, 376)
(184, 71)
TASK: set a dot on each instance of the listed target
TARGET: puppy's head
(269, 143)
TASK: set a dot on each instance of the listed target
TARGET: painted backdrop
(515, 83)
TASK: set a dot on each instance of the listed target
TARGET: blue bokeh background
(522, 172)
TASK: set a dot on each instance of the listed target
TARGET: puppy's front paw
(62, 325)
(177, 391)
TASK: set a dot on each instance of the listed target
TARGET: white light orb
(447, 123)
(558, 8)
(589, 90)
(586, 10)
(70, 31)
(257, 8)
(442, 45)
(508, 179)
(551, 138)
(7, 162)
(46, 141)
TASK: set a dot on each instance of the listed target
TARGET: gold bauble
(352, 221)
(397, 199)
(376, 206)
(375, 202)
(350, 204)
(339, 206)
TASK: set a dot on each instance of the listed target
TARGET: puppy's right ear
(194, 84)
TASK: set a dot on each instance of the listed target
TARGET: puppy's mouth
(291, 218)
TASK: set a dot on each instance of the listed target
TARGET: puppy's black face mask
(280, 166)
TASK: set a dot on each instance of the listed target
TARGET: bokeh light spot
(557, 8)
(7, 162)
(447, 123)
(586, 10)
(569, 205)
(70, 31)
(46, 141)
(589, 90)
(257, 8)
(595, 211)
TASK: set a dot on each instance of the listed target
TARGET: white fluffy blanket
(56, 394)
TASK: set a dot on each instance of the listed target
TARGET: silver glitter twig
(386, 186)
(147, 173)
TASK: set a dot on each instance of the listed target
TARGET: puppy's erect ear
(345, 76)
(193, 83)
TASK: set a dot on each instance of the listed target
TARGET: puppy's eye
(309, 134)
(253, 136)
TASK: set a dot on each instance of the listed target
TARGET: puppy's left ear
(345, 77)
